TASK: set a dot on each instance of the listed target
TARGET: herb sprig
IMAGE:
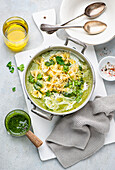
(11, 67)
(14, 89)
(21, 67)
(60, 61)
(49, 63)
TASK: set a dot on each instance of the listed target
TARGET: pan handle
(77, 42)
(42, 114)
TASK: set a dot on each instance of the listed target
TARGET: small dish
(104, 62)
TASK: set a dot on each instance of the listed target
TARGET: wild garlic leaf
(14, 89)
(21, 67)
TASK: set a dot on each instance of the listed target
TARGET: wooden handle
(34, 139)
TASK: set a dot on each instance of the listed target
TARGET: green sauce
(17, 123)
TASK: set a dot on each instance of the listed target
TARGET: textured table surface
(19, 153)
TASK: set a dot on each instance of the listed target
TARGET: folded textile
(79, 135)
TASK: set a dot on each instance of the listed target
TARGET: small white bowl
(102, 63)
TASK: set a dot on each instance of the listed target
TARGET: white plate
(70, 9)
(102, 63)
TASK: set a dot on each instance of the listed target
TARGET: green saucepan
(17, 123)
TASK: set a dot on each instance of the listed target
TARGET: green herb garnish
(10, 66)
(59, 60)
(14, 89)
(12, 70)
(78, 99)
(39, 84)
(80, 68)
(21, 67)
(54, 91)
(49, 63)
(36, 87)
(66, 94)
(65, 68)
(31, 79)
(81, 80)
(49, 78)
(39, 76)
(48, 93)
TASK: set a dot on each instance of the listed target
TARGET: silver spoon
(91, 27)
(92, 11)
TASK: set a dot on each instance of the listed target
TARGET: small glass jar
(15, 33)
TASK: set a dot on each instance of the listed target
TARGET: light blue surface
(20, 153)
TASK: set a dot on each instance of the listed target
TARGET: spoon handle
(72, 19)
(52, 31)
(34, 139)
(47, 27)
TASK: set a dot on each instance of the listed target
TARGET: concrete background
(20, 153)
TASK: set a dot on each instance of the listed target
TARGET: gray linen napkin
(81, 134)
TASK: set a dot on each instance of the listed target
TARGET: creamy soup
(58, 81)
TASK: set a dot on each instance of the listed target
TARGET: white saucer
(70, 9)
(102, 63)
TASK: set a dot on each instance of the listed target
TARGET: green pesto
(17, 123)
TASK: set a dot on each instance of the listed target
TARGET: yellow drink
(15, 31)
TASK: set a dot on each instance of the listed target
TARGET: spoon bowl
(94, 10)
(94, 27)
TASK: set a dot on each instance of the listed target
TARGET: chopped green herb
(66, 94)
(75, 92)
(65, 68)
(49, 63)
(39, 84)
(81, 80)
(54, 91)
(48, 79)
(80, 68)
(70, 82)
(78, 99)
(12, 70)
(48, 93)
(59, 60)
(70, 86)
(36, 87)
(80, 92)
(10, 66)
(14, 89)
(52, 62)
(39, 76)
(31, 79)
(21, 67)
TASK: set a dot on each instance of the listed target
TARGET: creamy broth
(59, 81)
